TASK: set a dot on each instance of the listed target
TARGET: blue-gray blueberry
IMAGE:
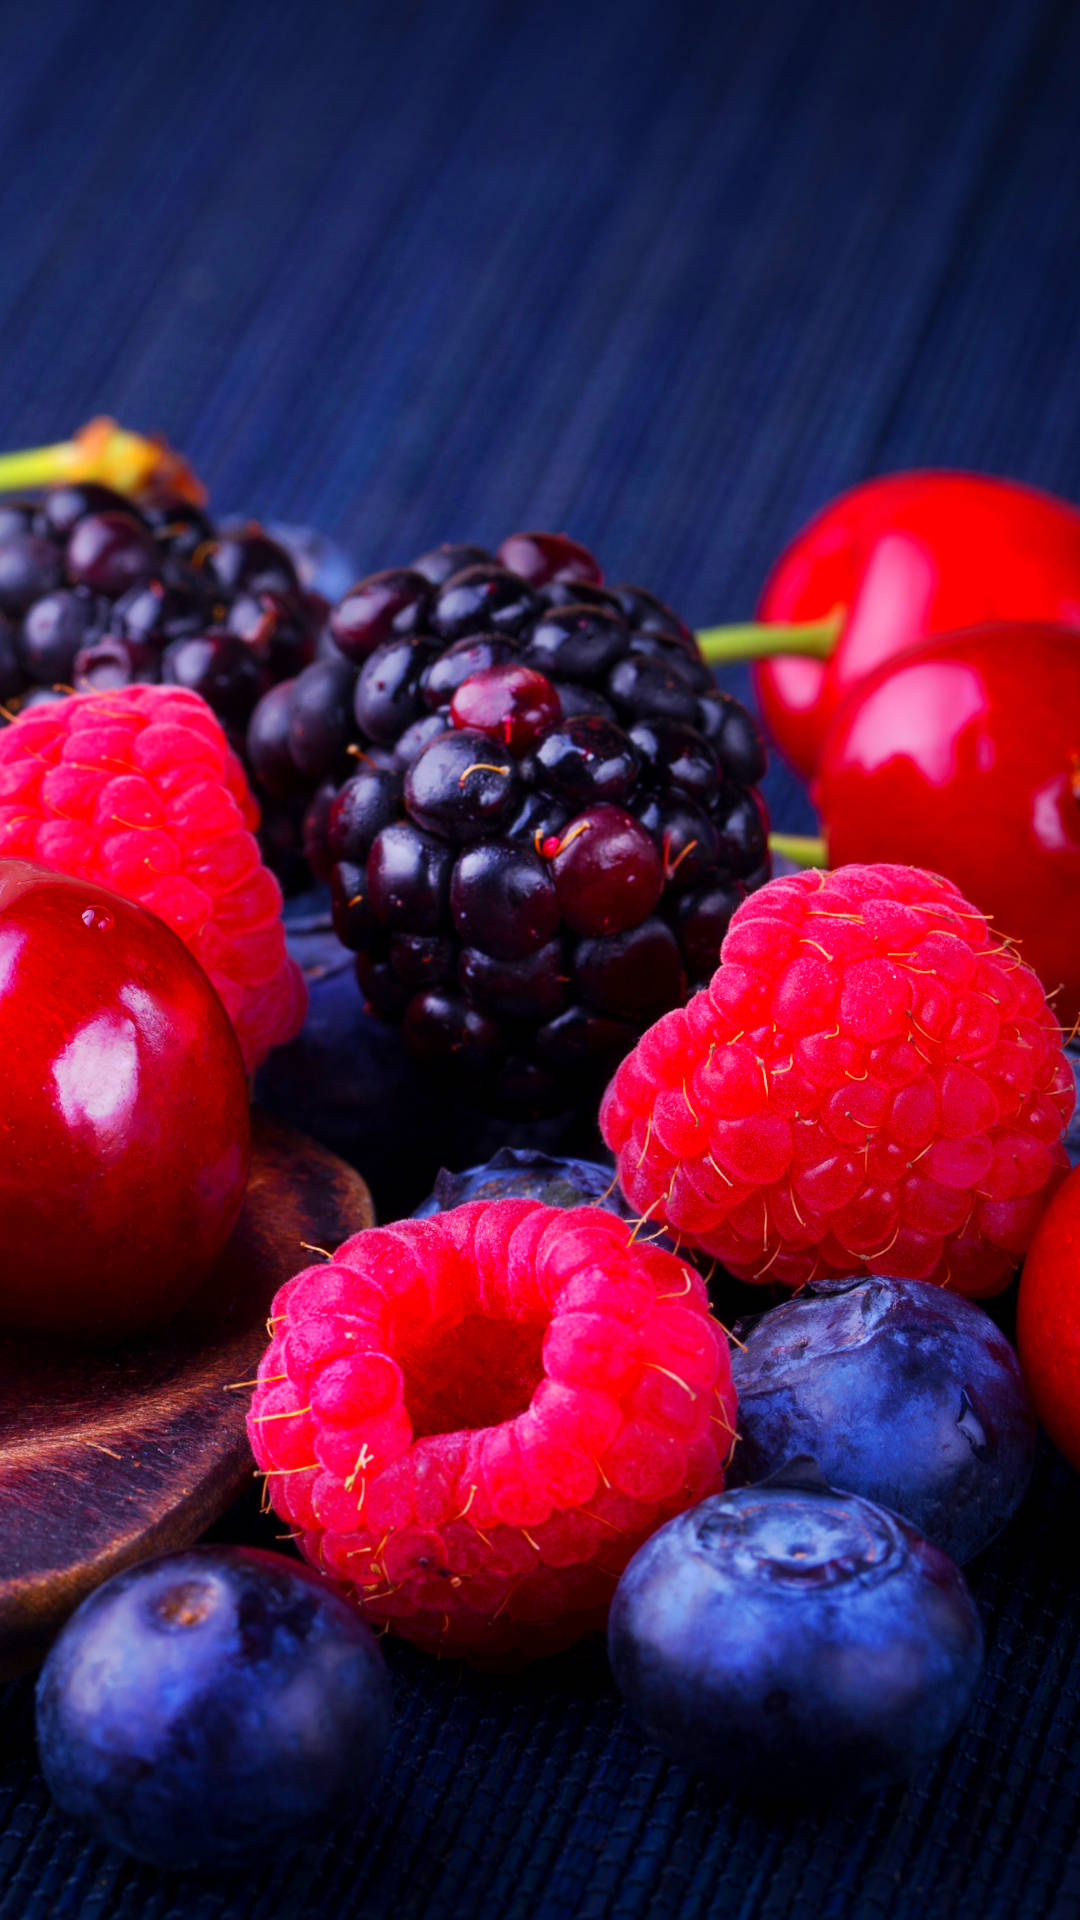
(900, 1391)
(203, 1710)
(795, 1643)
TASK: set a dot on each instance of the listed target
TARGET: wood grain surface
(108, 1455)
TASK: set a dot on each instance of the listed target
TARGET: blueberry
(901, 1392)
(794, 1642)
(522, 1173)
(200, 1709)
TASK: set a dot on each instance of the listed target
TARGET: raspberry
(99, 590)
(474, 1420)
(138, 789)
(868, 1082)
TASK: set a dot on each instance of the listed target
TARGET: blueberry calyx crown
(816, 1539)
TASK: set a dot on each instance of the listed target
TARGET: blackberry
(98, 590)
(550, 816)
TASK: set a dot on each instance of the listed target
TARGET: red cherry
(123, 1114)
(512, 704)
(1048, 1319)
(904, 558)
(540, 557)
(963, 756)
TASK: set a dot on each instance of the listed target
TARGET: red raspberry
(139, 790)
(868, 1082)
(475, 1420)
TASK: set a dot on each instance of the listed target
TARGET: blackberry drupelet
(546, 812)
(100, 591)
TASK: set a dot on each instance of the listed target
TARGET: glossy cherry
(903, 558)
(123, 1114)
(964, 756)
(1048, 1319)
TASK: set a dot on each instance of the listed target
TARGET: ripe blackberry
(99, 590)
(546, 790)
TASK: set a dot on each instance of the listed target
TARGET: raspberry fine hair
(139, 790)
(474, 1420)
(872, 1080)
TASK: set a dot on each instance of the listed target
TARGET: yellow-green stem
(36, 466)
(804, 849)
(129, 462)
(760, 639)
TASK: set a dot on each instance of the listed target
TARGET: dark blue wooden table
(668, 273)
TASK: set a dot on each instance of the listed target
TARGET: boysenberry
(564, 824)
(574, 698)
(460, 788)
(632, 976)
(101, 587)
(268, 751)
(383, 993)
(576, 642)
(29, 567)
(353, 918)
(320, 717)
(608, 872)
(246, 558)
(179, 527)
(646, 614)
(110, 662)
(366, 804)
(63, 506)
(219, 667)
(534, 989)
(581, 1041)
(409, 879)
(743, 828)
(735, 737)
(55, 629)
(158, 613)
(702, 918)
(110, 552)
(641, 688)
(443, 1030)
(438, 565)
(689, 842)
(422, 959)
(585, 759)
(388, 697)
(503, 900)
(463, 660)
(384, 604)
(276, 631)
(11, 673)
(540, 557)
(512, 704)
(416, 737)
(483, 598)
(676, 755)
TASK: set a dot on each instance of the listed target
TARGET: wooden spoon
(111, 1454)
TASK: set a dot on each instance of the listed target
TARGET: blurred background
(665, 273)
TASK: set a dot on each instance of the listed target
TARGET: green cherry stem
(804, 849)
(104, 451)
(760, 639)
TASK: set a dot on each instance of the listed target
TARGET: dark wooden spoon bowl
(111, 1454)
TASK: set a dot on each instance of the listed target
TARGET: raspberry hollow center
(473, 1421)
(476, 1374)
